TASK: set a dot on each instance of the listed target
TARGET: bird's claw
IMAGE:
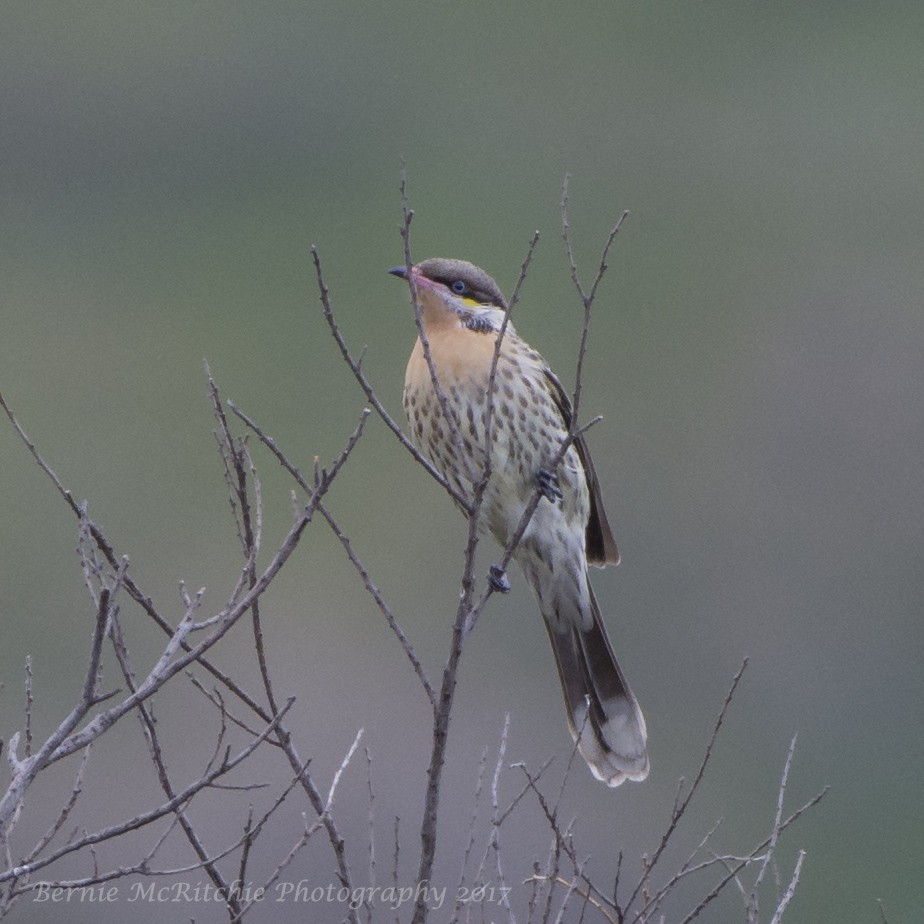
(548, 484)
(497, 578)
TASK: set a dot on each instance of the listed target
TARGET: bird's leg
(498, 580)
(548, 485)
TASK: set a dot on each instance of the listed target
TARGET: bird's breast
(526, 427)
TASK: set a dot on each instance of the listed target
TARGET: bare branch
(25, 771)
(371, 822)
(733, 865)
(533, 780)
(323, 820)
(397, 855)
(215, 698)
(371, 588)
(28, 713)
(329, 804)
(468, 504)
(790, 890)
(136, 594)
(149, 730)
(678, 811)
(65, 812)
(466, 854)
(171, 662)
(587, 298)
(562, 843)
(495, 820)
(367, 389)
(384, 609)
(326, 476)
(145, 818)
(774, 835)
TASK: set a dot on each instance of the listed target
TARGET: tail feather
(603, 714)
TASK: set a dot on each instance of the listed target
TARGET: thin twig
(774, 834)
(371, 824)
(149, 729)
(587, 297)
(561, 840)
(27, 747)
(367, 389)
(133, 590)
(468, 504)
(65, 812)
(790, 890)
(495, 822)
(466, 854)
(384, 609)
(145, 818)
(679, 810)
(396, 867)
(371, 588)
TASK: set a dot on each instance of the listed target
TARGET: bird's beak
(399, 271)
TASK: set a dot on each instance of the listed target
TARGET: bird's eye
(459, 287)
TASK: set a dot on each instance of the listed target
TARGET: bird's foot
(497, 579)
(548, 484)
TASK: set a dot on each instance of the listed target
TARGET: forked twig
(587, 297)
(371, 587)
(679, 809)
(367, 389)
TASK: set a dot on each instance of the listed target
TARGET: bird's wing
(600, 544)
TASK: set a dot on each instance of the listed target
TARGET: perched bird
(462, 312)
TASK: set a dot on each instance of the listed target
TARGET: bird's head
(456, 286)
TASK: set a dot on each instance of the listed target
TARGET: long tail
(603, 714)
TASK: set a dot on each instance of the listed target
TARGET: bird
(462, 313)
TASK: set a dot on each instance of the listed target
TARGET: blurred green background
(758, 356)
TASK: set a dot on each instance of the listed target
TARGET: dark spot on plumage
(479, 323)
(470, 413)
(536, 550)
